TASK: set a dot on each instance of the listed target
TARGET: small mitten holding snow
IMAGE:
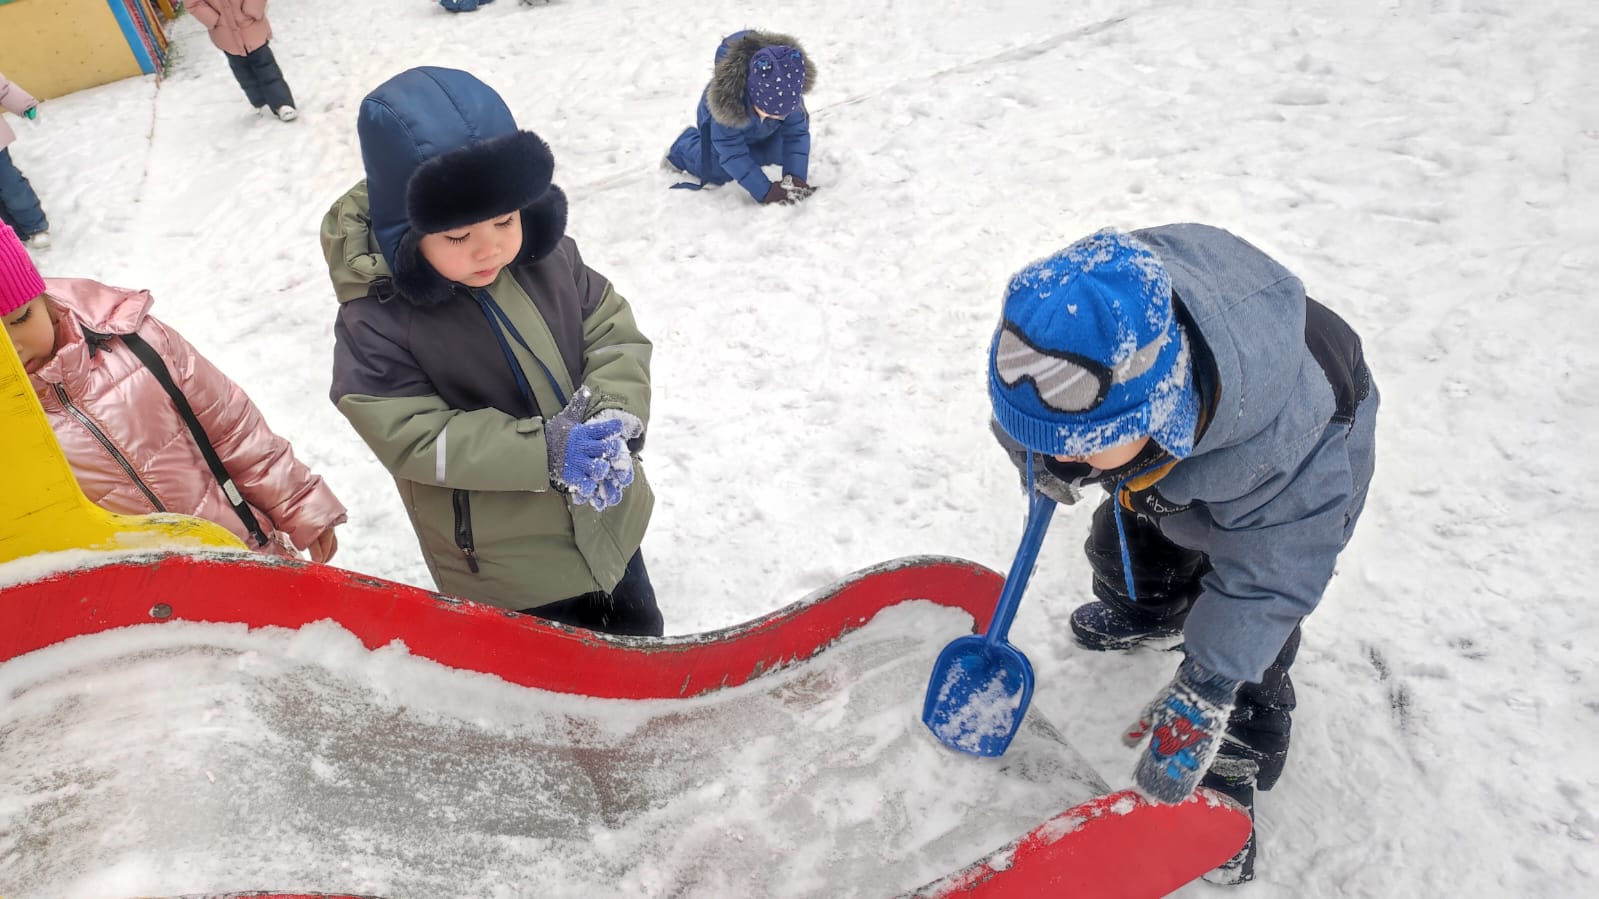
(586, 470)
(609, 486)
(578, 454)
(797, 188)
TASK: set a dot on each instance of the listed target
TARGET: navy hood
(441, 150)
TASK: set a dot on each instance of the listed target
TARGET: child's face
(1114, 457)
(474, 254)
(32, 333)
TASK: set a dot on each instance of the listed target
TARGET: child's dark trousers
(262, 80)
(628, 609)
(1166, 577)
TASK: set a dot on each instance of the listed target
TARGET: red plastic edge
(261, 592)
(1119, 846)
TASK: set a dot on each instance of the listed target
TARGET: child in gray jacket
(1230, 418)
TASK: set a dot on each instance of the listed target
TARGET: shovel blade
(977, 695)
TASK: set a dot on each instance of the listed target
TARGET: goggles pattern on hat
(1065, 381)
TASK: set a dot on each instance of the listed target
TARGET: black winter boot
(1102, 626)
(1233, 776)
(1164, 577)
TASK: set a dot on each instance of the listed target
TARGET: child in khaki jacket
(501, 381)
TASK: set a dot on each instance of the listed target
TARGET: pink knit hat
(19, 280)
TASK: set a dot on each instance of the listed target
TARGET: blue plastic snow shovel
(980, 686)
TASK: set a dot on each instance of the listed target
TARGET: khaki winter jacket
(236, 26)
(430, 391)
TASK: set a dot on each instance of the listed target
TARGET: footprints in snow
(1399, 698)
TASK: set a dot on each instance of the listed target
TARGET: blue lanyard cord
(502, 324)
(1121, 529)
(1121, 539)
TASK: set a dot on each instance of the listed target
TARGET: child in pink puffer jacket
(239, 28)
(19, 205)
(123, 433)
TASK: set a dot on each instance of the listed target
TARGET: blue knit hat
(1089, 354)
(777, 80)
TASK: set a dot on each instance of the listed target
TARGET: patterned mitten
(1184, 725)
(797, 188)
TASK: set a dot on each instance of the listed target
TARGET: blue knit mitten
(586, 464)
(579, 453)
(609, 487)
(1184, 725)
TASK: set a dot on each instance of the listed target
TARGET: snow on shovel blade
(982, 693)
(980, 686)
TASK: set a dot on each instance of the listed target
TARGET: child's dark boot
(1104, 626)
(1233, 774)
(1146, 606)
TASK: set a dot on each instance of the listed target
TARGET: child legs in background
(684, 154)
(20, 204)
(258, 73)
(687, 154)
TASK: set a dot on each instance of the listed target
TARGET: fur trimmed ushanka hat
(442, 150)
(758, 68)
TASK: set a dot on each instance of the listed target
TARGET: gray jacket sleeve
(1272, 552)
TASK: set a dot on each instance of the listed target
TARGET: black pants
(262, 80)
(628, 609)
(1166, 578)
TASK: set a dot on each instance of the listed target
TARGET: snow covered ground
(1430, 169)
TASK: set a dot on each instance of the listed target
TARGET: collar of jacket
(1146, 479)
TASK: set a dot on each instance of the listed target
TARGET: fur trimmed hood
(441, 150)
(727, 94)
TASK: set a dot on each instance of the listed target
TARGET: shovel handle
(1039, 512)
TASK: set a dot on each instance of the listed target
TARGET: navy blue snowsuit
(728, 141)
